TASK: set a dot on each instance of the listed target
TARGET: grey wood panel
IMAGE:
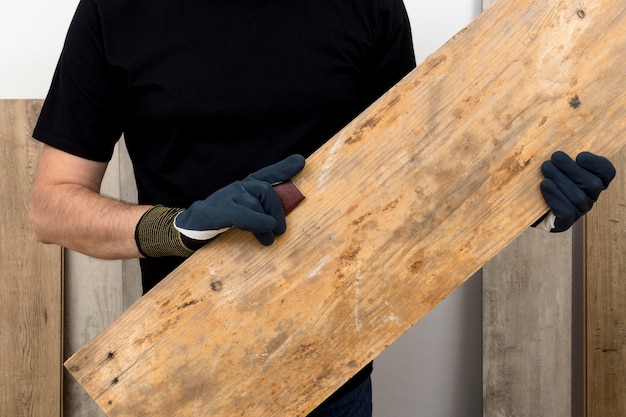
(98, 291)
(527, 327)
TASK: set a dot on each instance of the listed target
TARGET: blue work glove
(250, 204)
(571, 187)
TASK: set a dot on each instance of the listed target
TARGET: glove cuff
(156, 235)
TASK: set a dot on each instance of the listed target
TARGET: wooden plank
(527, 326)
(487, 3)
(97, 291)
(30, 279)
(386, 232)
(527, 316)
(605, 229)
(93, 299)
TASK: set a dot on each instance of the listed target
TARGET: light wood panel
(527, 327)
(98, 291)
(385, 233)
(605, 228)
(30, 279)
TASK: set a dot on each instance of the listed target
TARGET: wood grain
(30, 279)
(527, 327)
(402, 205)
(605, 228)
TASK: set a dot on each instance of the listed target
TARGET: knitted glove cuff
(156, 235)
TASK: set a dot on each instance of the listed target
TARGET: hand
(571, 187)
(250, 204)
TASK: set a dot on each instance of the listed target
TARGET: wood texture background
(31, 296)
(252, 319)
(606, 299)
(527, 327)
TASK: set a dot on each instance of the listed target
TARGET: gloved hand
(250, 204)
(571, 187)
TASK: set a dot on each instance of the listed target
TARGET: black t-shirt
(207, 92)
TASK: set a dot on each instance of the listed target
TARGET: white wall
(31, 37)
(432, 371)
(32, 34)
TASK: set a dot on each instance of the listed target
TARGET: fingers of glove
(265, 239)
(566, 213)
(585, 180)
(280, 171)
(598, 165)
(246, 212)
(262, 197)
(570, 189)
(231, 206)
(561, 225)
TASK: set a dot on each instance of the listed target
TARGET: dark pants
(355, 402)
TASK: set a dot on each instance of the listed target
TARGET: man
(217, 101)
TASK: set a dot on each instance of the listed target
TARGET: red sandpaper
(289, 194)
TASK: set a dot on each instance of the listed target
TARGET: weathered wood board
(605, 308)
(403, 205)
(31, 280)
(527, 327)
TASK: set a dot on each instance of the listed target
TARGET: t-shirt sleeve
(83, 111)
(394, 57)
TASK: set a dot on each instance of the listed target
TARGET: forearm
(68, 209)
(80, 219)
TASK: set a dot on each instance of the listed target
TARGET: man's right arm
(67, 208)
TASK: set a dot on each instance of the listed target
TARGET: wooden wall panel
(527, 316)
(30, 279)
(131, 274)
(97, 291)
(605, 228)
